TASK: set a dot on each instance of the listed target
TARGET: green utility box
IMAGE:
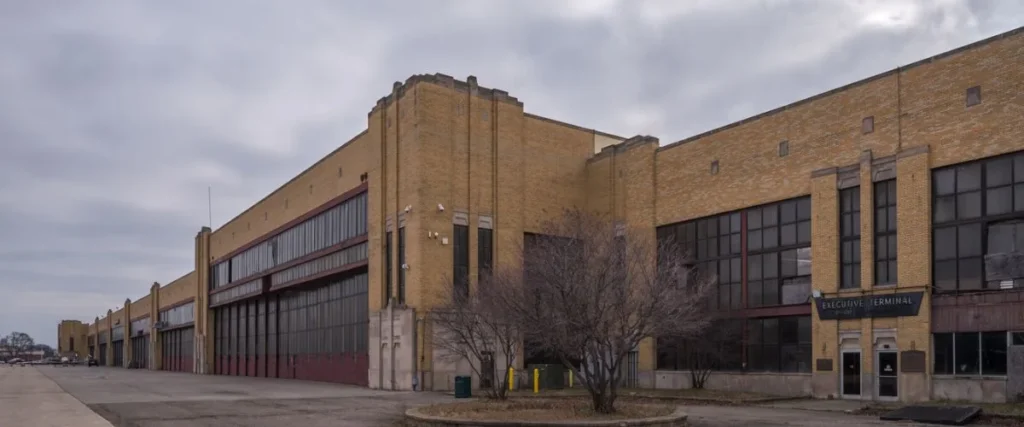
(552, 376)
(463, 387)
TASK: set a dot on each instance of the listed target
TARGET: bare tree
(17, 344)
(593, 290)
(481, 328)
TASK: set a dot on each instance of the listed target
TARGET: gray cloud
(116, 116)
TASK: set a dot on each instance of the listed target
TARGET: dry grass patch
(539, 409)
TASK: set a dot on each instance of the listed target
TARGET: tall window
(401, 265)
(849, 237)
(976, 204)
(779, 253)
(716, 250)
(484, 252)
(460, 258)
(885, 232)
(388, 268)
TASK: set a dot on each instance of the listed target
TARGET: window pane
(945, 243)
(754, 294)
(945, 182)
(754, 240)
(881, 273)
(881, 223)
(998, 172)
(787, 212)
(968, 205)
(803, 232)
(969, 273)
(803, 208)
(796, 291)
(770, 292)
(993, 353)
(1001, 238)
(1018, 168)
(803, 255)
(788, 261)
(945, 275)
(968, 177)
(770, 216)
(770, 331)
(770, 265)
(966, 350)
(737, 296)
(754, 267)
(943, 354)
(787, 235)
(999, 201)
(734, 220)
(770, 237)
(882, 248)
(1018, 197)
(945, 209)
(753, 219)
(969, 240)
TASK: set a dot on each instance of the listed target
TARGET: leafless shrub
(480, 328)
(715, 348)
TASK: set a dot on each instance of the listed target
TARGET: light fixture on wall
(816, 293)
(440, 207)
(408, 208)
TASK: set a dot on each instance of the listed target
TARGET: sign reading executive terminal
(889, 305)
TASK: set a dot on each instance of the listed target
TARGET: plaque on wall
(913, 361)
(824, 365)
(869, 306)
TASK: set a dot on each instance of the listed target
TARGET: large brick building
(860, 237)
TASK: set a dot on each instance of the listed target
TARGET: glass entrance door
(888, 374)
(851, 373)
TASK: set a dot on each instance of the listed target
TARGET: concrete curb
(750, 401)
(416, 418)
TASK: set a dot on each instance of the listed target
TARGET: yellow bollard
(536, 380)
(570, 378)
(511, 378)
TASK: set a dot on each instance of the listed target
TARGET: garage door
(316, 333)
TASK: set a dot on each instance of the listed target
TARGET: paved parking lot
(165, 399)
(141, 398)
(28, 398)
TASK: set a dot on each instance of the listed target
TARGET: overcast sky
(116, 116)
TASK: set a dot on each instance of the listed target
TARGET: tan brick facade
(436, 149)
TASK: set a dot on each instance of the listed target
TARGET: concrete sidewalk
(29, 398)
